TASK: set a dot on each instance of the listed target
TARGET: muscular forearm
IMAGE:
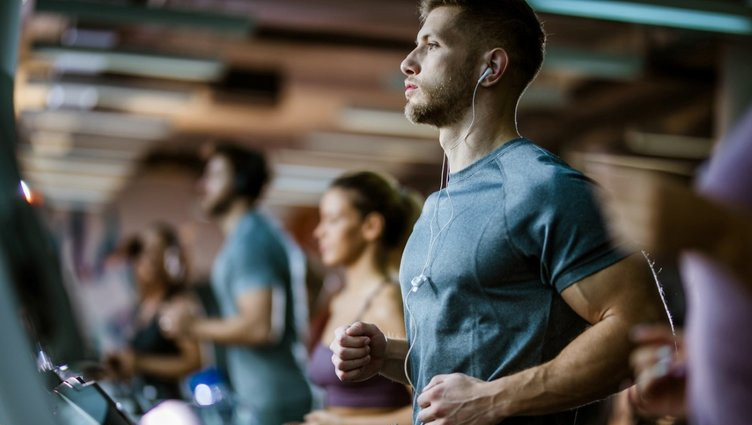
(589, 368)
(595, 363)
(231, 331)
(394, 365)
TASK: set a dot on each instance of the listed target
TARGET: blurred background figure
(364, 222)
(154, 361)
(660, 367)
(109, 298)
(711, 231)
(258, 281)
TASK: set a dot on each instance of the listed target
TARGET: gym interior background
(106, 105)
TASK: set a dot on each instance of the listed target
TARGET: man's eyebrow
(426, 36)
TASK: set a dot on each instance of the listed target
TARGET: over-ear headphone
(485, 74)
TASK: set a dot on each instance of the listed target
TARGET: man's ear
(498, 60)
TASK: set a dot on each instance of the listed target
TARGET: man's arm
(394, 366)
(257, 321)
(595, 363)
(592, 366)
(361, 351)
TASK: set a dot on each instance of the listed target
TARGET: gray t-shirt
(511, 232)
(268, 378)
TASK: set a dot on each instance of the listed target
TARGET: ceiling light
(693, 15)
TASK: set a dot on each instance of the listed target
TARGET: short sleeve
(564, 229)
(259, 263)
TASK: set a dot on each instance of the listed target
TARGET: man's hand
(359, 351)
(458, 399)
(660, 377)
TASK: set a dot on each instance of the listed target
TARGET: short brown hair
(509, 24)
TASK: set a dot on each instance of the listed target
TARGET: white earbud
(485, 74)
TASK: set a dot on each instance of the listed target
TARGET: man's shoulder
(532, 172)
(254, 233)
(257, 225)
(531, 160)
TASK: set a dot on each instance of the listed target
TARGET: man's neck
(490, 130)
(230, 220)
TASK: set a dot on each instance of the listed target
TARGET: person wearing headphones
(259, 286)
(518, 303)
(364, 221)
(157, 360)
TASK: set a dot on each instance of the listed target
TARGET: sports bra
(375, 392)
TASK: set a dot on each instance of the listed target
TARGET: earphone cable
(472, 121)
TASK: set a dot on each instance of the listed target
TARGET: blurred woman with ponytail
(364, 222)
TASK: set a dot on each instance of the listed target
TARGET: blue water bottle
(212, 397)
